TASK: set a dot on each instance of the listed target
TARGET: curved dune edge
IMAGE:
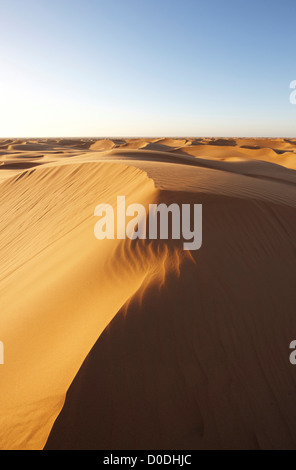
(221, 318)
(58, 286)
(198, 356)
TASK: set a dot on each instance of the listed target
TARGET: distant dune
(120, 344)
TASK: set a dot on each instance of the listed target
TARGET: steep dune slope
(156, 347)
(198, 357)
(57, 285)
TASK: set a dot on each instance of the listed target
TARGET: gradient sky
(147, 68)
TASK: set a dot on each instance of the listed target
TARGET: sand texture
(138, 344)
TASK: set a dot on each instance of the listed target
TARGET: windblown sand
(120, 344)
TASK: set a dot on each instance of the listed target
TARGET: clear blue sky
(147, 68)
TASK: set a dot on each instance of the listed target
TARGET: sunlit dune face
(61, 288)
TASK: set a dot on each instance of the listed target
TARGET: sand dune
(286, 158)
(104, 144)
(120, 344)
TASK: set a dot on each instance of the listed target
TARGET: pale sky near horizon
(81, 68)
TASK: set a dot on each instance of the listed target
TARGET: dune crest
(130, 344)
(58, 288)
(193, 355)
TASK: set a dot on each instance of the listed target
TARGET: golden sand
(155, 347)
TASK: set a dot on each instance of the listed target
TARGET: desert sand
(138, 344)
